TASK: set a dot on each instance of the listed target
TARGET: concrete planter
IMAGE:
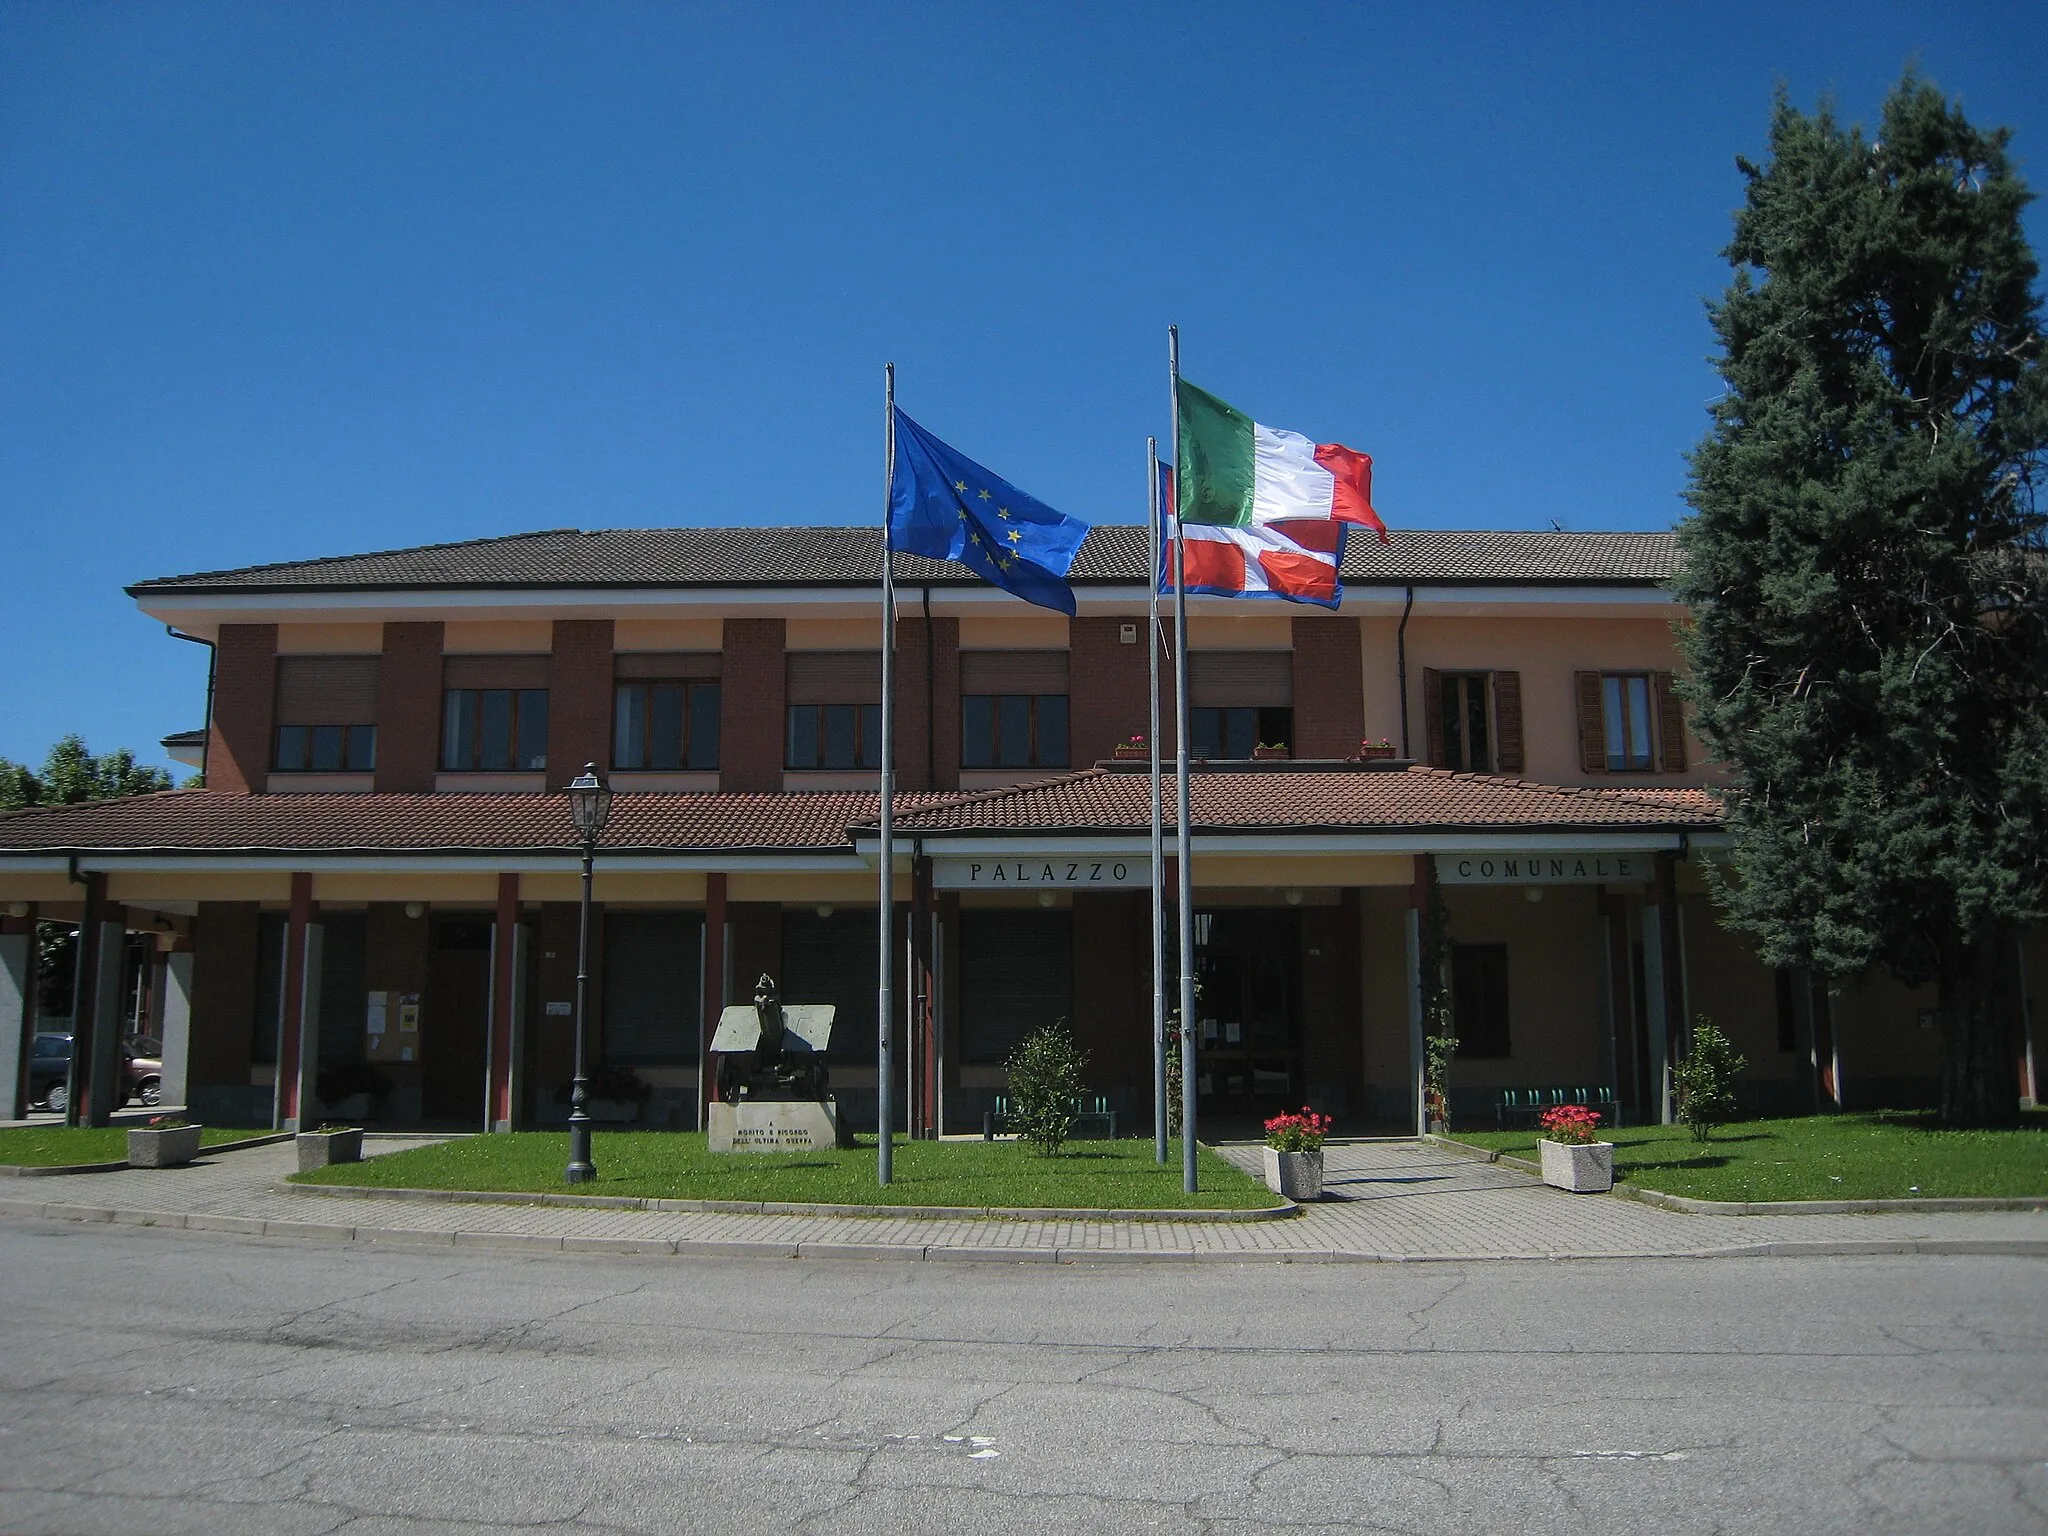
(1294, 1175)
(1584, 1170)
(317, 1149)
(163, 1149)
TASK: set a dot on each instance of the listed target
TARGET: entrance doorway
(454, 1031)
(1248, 1053)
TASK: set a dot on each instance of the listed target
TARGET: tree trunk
(1980, 1083)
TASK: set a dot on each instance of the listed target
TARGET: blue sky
(287, 280)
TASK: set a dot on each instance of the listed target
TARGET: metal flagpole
(1162, 1132)
(1183, 812)
(885, 1067)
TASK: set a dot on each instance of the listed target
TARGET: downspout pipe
(212, 658)
(1400, 662)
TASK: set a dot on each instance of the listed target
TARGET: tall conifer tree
(1865, 564)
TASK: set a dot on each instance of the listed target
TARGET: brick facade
(750, 717)
(244, 702)
(409, 708)
(1329, 687)
(579, 699)
(922, 764)
(1107, 684)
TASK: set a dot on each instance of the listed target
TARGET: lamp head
(590, 802)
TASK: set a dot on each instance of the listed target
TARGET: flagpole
(885, 1068)
(1183, 811)
(1161, 1132)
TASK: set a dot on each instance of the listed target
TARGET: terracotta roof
(1334, 800)
(198, 820)
(699, 557)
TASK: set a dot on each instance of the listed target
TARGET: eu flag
(944, 506)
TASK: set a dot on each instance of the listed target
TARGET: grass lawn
(1880, 1156)
(54, 1146)
(676, 1165)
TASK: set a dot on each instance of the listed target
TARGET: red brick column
(244, 700)
(1106, 686)
(1329, 687)
(912, 750)
(750, 716)
(409, 709)
(579, 699)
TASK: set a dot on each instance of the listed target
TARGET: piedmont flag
(1235, 473)
(1301, 561)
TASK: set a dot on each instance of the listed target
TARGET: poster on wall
(391, 1027)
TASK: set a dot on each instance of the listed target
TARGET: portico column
(716, 942)
(176, 1025)
(502, 1051)
(298, 1046)
(1663, 984)
(1418, 904)
(17, 1011)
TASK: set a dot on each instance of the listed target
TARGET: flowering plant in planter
(1298, 1133)
(168, 1122)
(1573, 1125)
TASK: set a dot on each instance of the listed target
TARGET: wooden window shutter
(1013, 672)
(1507, 721)
(327, 690)
(1433, 716)
(1670, 724)
(1592, 722)
(835, 677)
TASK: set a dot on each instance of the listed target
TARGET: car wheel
(150, 1090)
(58, 1098)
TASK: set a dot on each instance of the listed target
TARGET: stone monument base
(768, 1125)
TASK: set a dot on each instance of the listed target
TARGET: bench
(1093, 1112)
(1525, 1106)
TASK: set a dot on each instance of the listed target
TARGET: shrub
(1438, 1051)
(1704, 1080)
(1044, 1080)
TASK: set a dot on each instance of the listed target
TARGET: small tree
(1045, 1079)
(1704, 1080)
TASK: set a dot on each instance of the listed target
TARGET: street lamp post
(590, 805)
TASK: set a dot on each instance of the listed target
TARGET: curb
(1281, 1212)
(57, 1170)
(1932, 1206)
(524, 1242)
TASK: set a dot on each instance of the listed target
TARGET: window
(326, 748)
(1625, 719)
(1467, 734)
(1016, 975)
(665, 725)
(494, 730)
(1013, 730)
(835, 736)
(1225, 732)
(653, 988)
(1479, 999)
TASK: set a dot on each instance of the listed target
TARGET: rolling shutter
(1433, 716)
(1241, 679)
(835, 677)
(653, 991)
(1013, 672)
(832, 960)
(1670, 723)
(1507, 721)
(666, 665)
(1016, 975)
(327, 690)
(494, 672)
(1592, 722)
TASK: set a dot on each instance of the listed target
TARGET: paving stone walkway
(1389, 1200)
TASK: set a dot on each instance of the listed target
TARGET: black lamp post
(590, 805)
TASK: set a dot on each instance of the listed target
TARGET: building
(381, 866)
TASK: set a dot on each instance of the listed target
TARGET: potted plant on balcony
(1294, 1154)
(329, 1143)
(167, 1141)
(1134, 750)
(1275, 752)
(1572, 1158)
(351, 1091)
(1375, 751)
(615, 1095)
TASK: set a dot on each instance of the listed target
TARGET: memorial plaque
(774, 1125)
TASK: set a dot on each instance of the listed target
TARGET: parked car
(49, 1071)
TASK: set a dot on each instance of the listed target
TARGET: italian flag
(1235, 473)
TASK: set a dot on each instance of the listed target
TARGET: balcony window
(1625, 701)
(666, 725)
(1013, 730)
(834, 736)
(494, 730)
(1468, 744)
(326, 748)
(1229, 732)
